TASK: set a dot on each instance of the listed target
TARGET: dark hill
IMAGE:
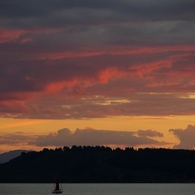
(101, 164)
(7, 156)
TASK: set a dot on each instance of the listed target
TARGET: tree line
(101, 164)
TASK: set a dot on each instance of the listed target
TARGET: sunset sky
(118, 73)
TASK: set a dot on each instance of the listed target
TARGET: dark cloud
(87, 59)
(34, 75)
(59, 13)
(138, 105)
(185, 136)
(60, 106)
(93, 138)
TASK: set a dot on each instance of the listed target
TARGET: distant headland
(99, 164)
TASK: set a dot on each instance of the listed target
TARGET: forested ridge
(101, 165)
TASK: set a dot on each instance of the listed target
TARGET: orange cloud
(109, 73)
(54, 87)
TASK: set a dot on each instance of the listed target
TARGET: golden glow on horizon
(123, 123)
(14, 123)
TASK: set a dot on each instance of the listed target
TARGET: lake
(99, 189)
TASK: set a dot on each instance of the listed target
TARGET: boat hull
(57, 191)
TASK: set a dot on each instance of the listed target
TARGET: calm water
(99, 189)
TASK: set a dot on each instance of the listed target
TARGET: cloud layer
(73, 60)
(85, 137)
(95, 137)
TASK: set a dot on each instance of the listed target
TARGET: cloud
(96, 59)
(185, 136)
(92, 137)
(64, 106)
(74, 12)
(17, 138)
(149, 133)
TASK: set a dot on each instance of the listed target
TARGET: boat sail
(58, 188)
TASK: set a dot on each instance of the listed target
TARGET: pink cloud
(36, 72)
(8, 35)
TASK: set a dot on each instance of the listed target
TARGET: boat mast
(57, 183)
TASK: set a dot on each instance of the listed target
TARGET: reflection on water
(99, 189)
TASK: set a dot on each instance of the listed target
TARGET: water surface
(99, 189)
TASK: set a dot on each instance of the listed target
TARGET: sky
(117, 73)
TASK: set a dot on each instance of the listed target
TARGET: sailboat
(58, 188)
